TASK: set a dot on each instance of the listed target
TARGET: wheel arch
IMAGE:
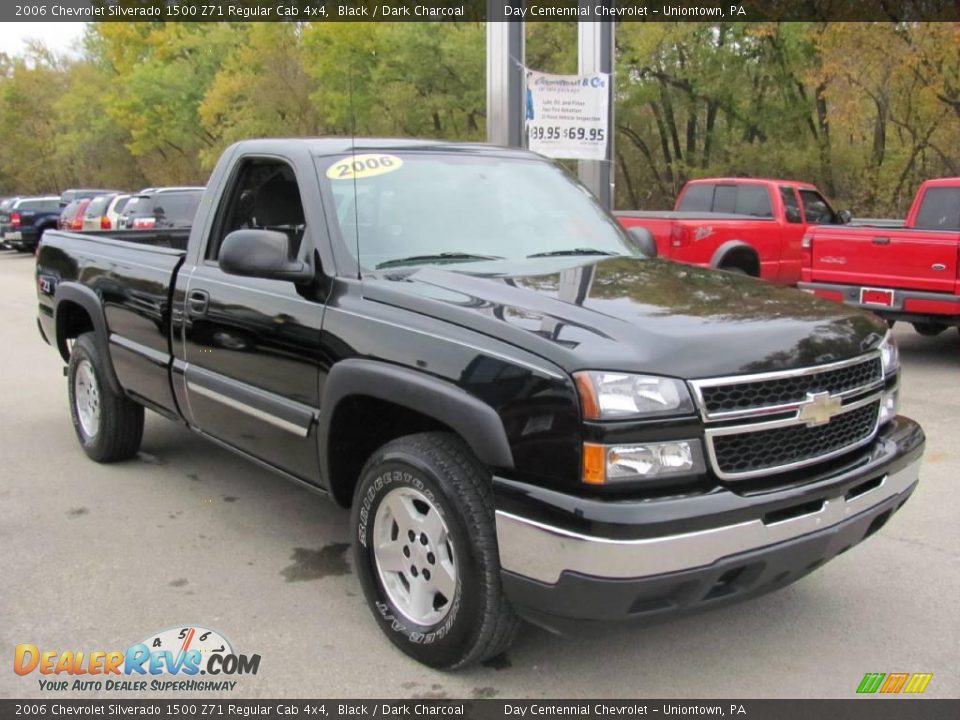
(76, 310)
(410, 402)
(737, 253)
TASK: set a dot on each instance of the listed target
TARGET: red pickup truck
(747, 225)
(907, 273)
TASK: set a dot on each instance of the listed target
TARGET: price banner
(568, 115)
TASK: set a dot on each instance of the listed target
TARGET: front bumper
(908, 305)
(558, 576)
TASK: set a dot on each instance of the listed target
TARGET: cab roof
(340, 145)
(736, 180)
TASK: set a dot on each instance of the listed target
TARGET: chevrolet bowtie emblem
(819, 408)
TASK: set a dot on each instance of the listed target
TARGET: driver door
(251, 346)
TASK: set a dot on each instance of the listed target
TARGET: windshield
(423, 208)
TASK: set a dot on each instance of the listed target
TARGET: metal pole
(595, 53)
(506, 94)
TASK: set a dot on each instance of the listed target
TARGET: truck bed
(170, 239)
(132, 274)
(885, 257)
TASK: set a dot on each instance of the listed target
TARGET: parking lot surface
(98, 557)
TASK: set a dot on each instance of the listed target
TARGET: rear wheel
(425, 550)
(929, 329)
(109, 426)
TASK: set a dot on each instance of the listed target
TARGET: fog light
(889, 406)
(640, 462)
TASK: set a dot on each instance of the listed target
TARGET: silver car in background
(103, 212)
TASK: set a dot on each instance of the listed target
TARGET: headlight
(612, 395)
(619, 463)
(889, 355)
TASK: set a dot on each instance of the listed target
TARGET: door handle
(197, 302)
(881, 241)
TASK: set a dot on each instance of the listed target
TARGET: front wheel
(109, 426)
(425, 550)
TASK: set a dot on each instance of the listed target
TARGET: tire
(929, 329)
(432, 484)
(109, 426)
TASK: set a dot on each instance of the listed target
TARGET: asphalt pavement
(98, 557)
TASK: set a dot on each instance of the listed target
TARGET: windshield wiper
(450, 256)
(573, 251)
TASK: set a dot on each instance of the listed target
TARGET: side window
(97, 206)
(180, 207)
(816, 209)
(753, 200)
(791, 208)
(939, 209)
(264, 194)
(697, 198)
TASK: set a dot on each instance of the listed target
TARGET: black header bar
(192, 707)
(477, 10)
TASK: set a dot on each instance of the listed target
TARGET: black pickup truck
(528, 416)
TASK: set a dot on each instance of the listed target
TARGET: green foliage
(865, 110)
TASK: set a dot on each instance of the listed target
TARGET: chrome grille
(784, 446)
(785, 390)
(775, 422)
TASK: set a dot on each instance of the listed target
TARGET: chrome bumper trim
(543, 552)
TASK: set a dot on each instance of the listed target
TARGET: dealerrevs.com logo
(169, 660)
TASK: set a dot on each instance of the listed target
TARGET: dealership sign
(568, 115)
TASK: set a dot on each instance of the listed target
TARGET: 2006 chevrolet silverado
(528, 416)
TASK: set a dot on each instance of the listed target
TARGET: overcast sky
(61, 37)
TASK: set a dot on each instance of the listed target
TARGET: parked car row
(23, 220)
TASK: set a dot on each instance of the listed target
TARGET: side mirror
(644, 241)
(844, 216)
(263, 254)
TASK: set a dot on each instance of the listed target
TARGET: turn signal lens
(588, 396)
(594, 464)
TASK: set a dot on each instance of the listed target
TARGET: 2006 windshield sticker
(363, 166)
(167, 661)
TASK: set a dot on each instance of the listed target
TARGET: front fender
(475, 421)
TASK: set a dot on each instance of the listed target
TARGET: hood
(636, 315)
